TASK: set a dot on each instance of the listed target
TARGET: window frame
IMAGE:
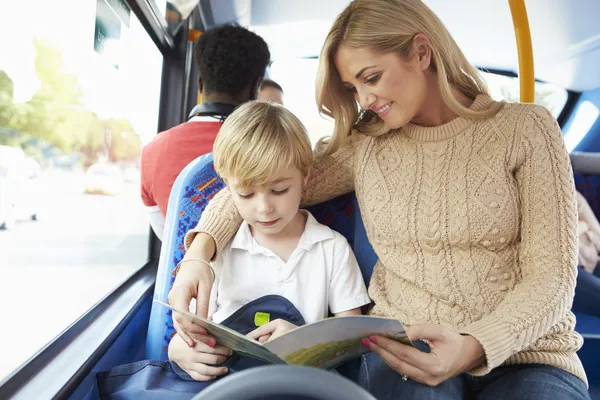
(85, 342)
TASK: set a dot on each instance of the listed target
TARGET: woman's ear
(422, 50)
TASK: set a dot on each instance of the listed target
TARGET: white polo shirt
(321, 275)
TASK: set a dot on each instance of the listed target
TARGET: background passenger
(270, 91)
(231, 63)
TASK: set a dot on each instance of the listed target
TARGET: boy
(263, 154)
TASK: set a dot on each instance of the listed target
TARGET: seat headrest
(585, 163)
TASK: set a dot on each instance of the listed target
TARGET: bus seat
(191, 192)
(343, 215)
(586, 170)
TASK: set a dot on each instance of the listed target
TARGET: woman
(468, 203)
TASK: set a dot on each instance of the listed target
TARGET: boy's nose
(264, 206)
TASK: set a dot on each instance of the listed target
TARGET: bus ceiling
(565, 35)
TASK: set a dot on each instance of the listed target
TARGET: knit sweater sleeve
(330, 176)
(548, 244)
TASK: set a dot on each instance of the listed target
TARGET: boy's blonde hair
(256, 140)
(388, 26)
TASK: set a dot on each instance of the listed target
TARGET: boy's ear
(306, 177)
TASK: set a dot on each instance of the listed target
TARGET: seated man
(264, 155)
(270, 91)
(231, 63)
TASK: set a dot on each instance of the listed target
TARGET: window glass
(585, 116)
(297, 77)
(506, 88)
(79, 96)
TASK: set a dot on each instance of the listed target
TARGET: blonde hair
(390, 26)
(256, 140)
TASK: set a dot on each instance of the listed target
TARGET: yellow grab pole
(524, 49)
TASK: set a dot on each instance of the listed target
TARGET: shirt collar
(205, 118)
(314, 232)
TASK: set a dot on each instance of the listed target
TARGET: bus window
(297, 78)
(506, 88)
(79, 95)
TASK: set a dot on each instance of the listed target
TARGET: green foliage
(56, 114)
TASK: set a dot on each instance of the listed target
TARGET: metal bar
(154, 23)
(524, 49)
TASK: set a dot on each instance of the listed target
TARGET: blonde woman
(468, 203)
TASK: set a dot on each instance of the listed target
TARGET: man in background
(231, 63)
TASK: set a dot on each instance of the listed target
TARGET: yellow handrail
(524, 49)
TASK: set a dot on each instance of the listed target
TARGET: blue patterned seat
(191, 192)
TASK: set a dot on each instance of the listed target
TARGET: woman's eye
(373, 79)
(278, 192)
(351, 89)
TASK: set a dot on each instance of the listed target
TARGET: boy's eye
(373, 79)
(279, 192)
(245, 195)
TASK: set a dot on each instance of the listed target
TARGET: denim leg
(531, 381)
(587, 292)
(384, 383)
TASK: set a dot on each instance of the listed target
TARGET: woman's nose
(366, 100)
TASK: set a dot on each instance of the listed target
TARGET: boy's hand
(195, 360)
(271, 330)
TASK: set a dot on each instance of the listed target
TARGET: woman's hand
(271, 330)
(451, 354)
(196, 360)
(193, 281)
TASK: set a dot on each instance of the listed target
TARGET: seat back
(586, 169)
(191, 192)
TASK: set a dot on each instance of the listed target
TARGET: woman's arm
(548, 247)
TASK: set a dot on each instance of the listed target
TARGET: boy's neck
(285, 242)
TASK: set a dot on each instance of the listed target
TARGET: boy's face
(269, 209)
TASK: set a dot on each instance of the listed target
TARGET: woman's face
(388, 85)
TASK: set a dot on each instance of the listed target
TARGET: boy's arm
(347, 288)
(354, 311)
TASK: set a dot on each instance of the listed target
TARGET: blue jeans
(517, 382)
